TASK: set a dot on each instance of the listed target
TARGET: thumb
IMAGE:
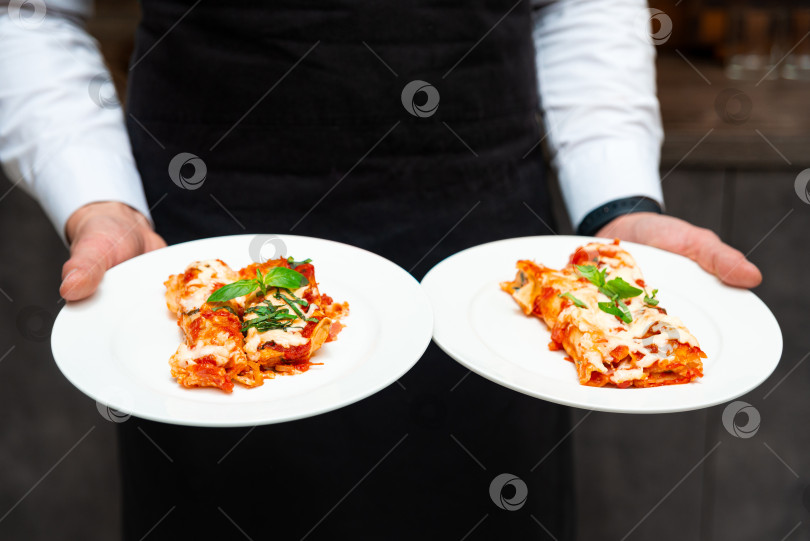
(102, 234)
(89, 259)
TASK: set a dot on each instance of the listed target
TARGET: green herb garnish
(592, 274)
(293, 302)
(293, 263)
(651, 301)
(231, 291)
(618, 309)
(621, 289)
(268, 317)
(573, 299)
(228, 308)
(260, 281)
(276, 277)
(615, 289)
(284, 277)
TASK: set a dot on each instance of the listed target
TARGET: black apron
(296, 110)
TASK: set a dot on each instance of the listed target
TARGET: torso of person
(406, 128)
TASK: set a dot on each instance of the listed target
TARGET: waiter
(408, 129)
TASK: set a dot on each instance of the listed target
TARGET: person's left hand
(675, 235)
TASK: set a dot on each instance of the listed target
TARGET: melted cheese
(201, 287)
(195, 298)
(627, 374)
(186, 355)
(283, 338)
(668, 328)
(252, 341)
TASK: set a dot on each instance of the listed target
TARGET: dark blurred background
(734, 84)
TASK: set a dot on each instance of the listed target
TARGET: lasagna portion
(283, 328)
(601, 313)
(252, 336)
(212, 354)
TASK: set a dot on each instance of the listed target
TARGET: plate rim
(425, 327)
(473, 366)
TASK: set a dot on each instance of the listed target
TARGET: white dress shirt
(595, 68)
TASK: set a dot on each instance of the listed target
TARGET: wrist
(601, 216)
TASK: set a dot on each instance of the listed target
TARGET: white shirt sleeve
(62, 135)
(596, 75)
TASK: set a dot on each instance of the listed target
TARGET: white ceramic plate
(115, 346)
(483, 329)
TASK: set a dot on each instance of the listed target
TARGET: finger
(82, 273)
(734, 269)
(725, 262)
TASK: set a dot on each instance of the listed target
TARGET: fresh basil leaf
(622, 289)
(226, 307)
(259, 311)
(291, 303)
(617, 309)
(573, 299)
(260, 280)
(610, 308)
(626, 316)
(231, 291)
(268, 317)
(293, 263)
(592, 274)
(284, 278)
(609, 293)
(651, 301)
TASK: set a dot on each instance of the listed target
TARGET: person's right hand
(102, 235)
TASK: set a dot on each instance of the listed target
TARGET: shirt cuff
(604, 170)
(76, 177)
(600, 217)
